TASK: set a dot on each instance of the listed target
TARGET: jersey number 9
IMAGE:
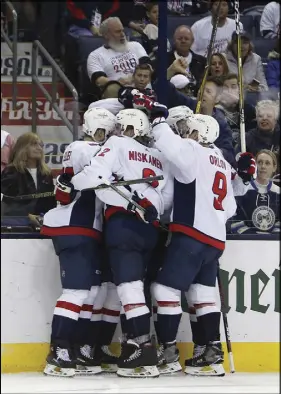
(220, 190)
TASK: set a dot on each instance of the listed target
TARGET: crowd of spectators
(122, 50)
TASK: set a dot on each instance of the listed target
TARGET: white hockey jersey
(126, 159)
(84, 215)
(203, 192)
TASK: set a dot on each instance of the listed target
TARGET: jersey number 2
(219, 189)
(146, 173)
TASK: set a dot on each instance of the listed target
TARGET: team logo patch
(263, 218)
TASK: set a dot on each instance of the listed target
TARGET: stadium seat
(85, 46)
(257, 19)
(262, 46)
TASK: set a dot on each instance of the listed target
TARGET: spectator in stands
(151, 31)
(7, 144)
(270, 20)
(27, 173)
(117, 59)
(258, 210)
(272, 71)
(202, 29)
(218, 65)
(142, 77)
(253, 74)
(194, 64)
(84, 19)
(229, 104)
(267, 133)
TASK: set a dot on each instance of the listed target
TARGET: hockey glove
(246, 166)
(126, 95)
(64, 189)
(153, 108)
(150, 215)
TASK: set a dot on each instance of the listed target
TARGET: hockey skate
(207, 360)
(168, 359)
(108, 360)
(60, 362)
(86, 361)
(138, 361)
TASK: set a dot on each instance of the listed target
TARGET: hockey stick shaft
(120, 183)
(240, 78)
(226, 328)
(208, 62)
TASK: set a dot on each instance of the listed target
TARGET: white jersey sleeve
(79, 154)
(180, 152)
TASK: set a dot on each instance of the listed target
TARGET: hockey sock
(209, 325)
(123, 322)
(196, 328)
(66, 315)
(168, 325)
(87, 331)
(110, 315)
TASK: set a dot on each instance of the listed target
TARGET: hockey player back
(130, 234)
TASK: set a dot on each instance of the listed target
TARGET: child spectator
(151, 31)
(26, 173)
(258, 210)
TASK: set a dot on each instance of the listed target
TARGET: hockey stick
(240, 78)
(209, 55)
(226, 329)
(105, 186)
(129, 199)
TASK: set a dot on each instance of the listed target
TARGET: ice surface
(231, 383)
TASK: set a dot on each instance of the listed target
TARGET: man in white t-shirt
(117, 58)
(270, 20)
(202, 30)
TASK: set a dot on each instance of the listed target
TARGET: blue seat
(257, 19)
(262, 46)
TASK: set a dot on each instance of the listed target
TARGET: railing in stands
(37, 49)
(13, 47)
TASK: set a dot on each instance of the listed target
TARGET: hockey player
(130, 234)
(75, 227)
(203, 201)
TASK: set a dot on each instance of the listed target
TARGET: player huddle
(123, 248)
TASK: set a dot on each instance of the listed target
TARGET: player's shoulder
(116, 141)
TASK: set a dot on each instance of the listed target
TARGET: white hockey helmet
(177, 119)
(98, 118)
(207, 127)
(134, 120)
